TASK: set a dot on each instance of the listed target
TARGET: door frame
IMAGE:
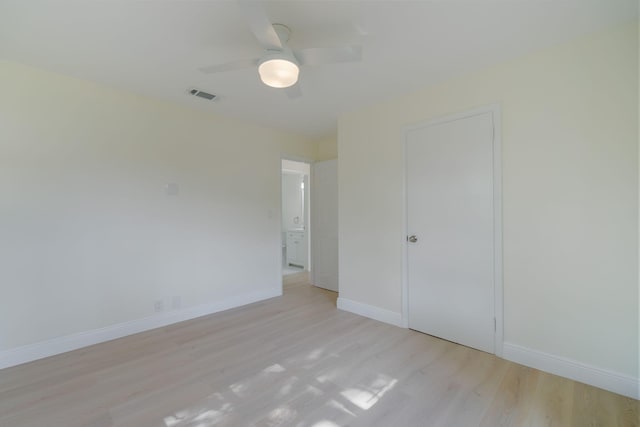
(498, 285)
(307, 214)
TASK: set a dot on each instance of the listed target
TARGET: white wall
(88, 238)
(570, 163)
(324, 225)
(327, 148)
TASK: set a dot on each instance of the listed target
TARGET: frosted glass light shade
(279, 73)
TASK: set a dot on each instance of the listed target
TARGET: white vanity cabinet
(297, 248)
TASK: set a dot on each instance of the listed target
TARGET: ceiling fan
(279, 66)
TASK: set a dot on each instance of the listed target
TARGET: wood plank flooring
(296, 361)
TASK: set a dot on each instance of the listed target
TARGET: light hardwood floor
(297, 361)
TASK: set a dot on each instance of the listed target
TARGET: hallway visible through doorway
(295, 217)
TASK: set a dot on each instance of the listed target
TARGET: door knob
(412, 238)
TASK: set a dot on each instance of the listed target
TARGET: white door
(324, 219)
(450, 211)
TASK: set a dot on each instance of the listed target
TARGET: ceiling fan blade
(260, 24)
(294, 91)
(230, 66)
(328, 55)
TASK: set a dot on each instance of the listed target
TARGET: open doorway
(295, 217)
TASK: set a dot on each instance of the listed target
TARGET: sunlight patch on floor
(239, 389)
(242, 388)
(315, 354)
(325, 423)
(339, 406)
(322, 379)
(287, 387)
(296, 392)
(366, 396)
(206, 417)
(274, 369)
(281, 415)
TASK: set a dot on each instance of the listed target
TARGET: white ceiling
(155, 47)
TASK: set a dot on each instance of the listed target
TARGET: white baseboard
(370, 311)
(602, 378)
(39, 350)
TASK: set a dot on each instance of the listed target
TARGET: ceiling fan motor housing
(279, 68)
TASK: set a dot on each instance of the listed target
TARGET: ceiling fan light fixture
(278, 70)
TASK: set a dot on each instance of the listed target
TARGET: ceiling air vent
(201, 94)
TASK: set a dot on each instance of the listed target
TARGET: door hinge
(495, 325)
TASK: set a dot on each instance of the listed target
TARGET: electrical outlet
(176, 302)
(158, 306)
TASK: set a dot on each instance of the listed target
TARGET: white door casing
(453, 272)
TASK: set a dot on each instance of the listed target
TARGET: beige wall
(570, 164)
(327, 148)
(88, 237)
